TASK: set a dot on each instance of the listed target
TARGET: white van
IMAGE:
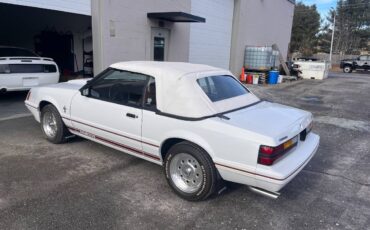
(21, 69)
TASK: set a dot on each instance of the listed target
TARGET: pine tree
(306, 26)
(352, 27)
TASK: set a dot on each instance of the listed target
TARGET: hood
(70, 85)
(272, 120)
(58, 94)
(68, 88)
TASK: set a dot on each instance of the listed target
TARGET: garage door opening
(65, 37)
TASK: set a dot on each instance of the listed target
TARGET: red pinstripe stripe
(31, 105)
(112, 132)
(242, 170)
(273, 178)
(116, 144)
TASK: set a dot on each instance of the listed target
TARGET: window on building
(159, 47)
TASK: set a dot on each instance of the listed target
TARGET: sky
(323, 6)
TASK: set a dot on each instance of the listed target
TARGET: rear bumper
(275, 177)
(26, 81)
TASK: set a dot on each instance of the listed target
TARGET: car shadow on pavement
(361, 72)
(13, 96)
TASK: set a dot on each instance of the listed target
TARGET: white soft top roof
(178, 92)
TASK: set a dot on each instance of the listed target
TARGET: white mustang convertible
(198, 121)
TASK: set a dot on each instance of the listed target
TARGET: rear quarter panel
(227, 145)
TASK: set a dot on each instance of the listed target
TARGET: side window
(150, 100)
(121, 87)
(4, 68)
(363, 58)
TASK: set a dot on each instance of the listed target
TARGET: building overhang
(175, 17)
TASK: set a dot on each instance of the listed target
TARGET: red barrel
(249, 79)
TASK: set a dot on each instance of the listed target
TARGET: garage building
(213, 32)
(52, 28)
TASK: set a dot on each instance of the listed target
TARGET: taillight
(267, 154)
(309, 127)
(28, 95)
(305, 132)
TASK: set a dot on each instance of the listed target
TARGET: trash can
(273, 77)
(249, 79)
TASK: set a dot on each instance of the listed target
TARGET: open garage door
(65, 37)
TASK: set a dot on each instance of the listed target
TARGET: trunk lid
(273, 120)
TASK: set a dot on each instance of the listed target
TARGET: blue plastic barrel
(273, 77)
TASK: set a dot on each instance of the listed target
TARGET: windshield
(16, 52)
(221, 87)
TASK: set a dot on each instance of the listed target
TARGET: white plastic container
(255, 79)
(280, 79)
(313, 69)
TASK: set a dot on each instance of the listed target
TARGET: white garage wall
(210, 42)
(70, 6)
(260, 23)
(131, 37)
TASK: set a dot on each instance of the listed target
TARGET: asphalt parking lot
(83, 185)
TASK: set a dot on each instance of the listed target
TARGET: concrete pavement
(83, 185)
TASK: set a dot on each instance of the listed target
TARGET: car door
(152, 123)
(109, 110)
(361, 62)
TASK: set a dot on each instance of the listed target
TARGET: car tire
(190, 171)
(347, 69)
(52, 125)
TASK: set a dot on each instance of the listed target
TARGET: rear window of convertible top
(221, 87)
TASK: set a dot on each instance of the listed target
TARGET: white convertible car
(198, 121)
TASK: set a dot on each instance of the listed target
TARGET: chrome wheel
(186, 173)
(49, 124)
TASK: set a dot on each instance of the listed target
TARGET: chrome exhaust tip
(273, 195)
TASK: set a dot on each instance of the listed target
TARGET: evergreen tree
(352, 27)
(306, 26)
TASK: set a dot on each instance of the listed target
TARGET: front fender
(37, 97)
(52, 101)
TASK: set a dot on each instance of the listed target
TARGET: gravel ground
(83, 185)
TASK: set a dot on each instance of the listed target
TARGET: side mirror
(85, 92)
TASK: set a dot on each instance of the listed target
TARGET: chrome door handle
(131, 115)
